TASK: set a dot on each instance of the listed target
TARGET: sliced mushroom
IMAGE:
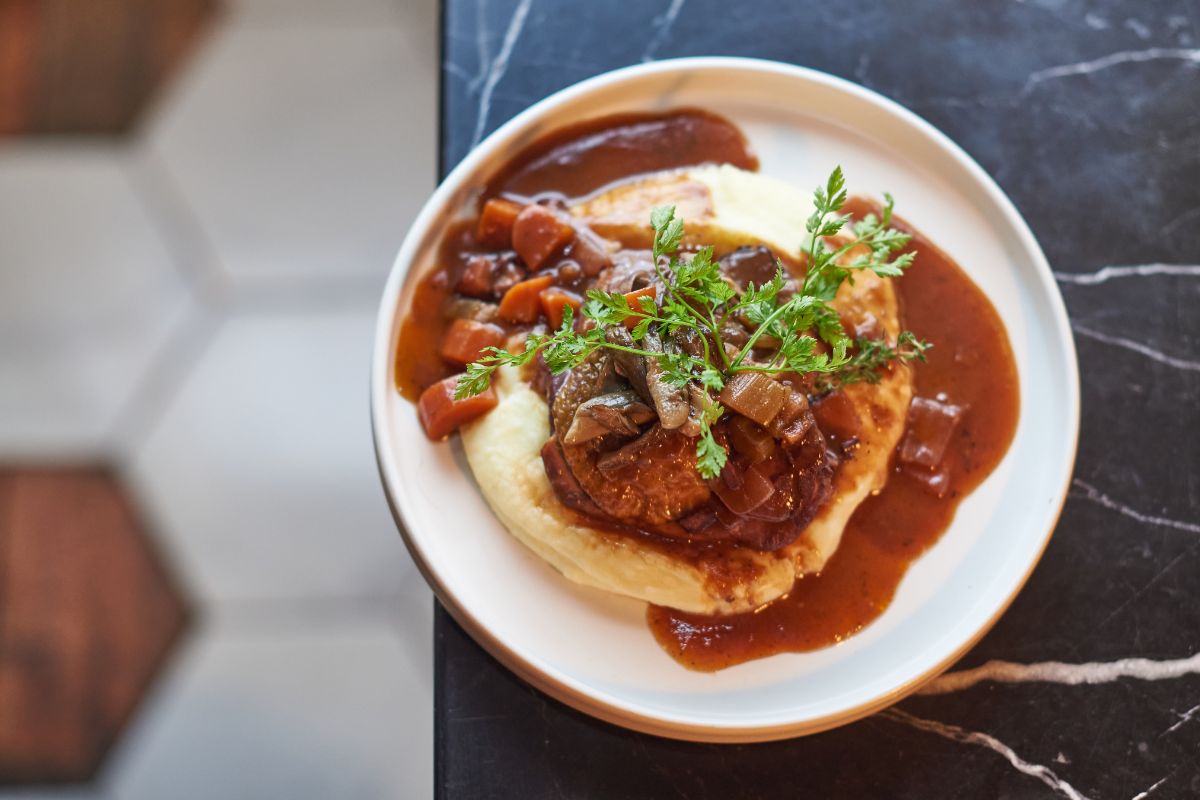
(617, 412)
(629, 366)
(698, 399)
(669, 401)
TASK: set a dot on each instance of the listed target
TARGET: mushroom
(628, 365)
(616, 412)
(669, 401)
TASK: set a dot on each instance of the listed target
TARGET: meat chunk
(469, 308)
(748, 265)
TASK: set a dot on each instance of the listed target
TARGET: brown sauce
(573, 162)
(972, 364)
(578, 160)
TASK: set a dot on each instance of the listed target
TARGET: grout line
(164, 686)
(160, 381)
(193, 253)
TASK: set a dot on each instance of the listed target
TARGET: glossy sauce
(972, 364)
(571, 162)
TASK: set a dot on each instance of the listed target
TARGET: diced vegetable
(754, 395)
(538, 233)
(589, 252)
(478, 277)
(779, 506)
(441, 415)
(635, 303)
(554, 300)
(466, 338)
(745, 493)
(495, 228)
(751, 440)
(837, 416)
(930, 425)
(522, 302)
(793, 420)
(935, 481)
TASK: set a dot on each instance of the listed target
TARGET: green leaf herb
(793, 331)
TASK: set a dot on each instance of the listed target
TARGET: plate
(593, 650)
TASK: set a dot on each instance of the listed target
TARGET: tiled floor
(196, 305)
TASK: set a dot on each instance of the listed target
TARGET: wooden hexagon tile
(72, 67)
(88, 614)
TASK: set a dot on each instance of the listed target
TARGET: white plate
(594, 651)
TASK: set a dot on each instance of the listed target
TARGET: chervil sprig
(792, 329)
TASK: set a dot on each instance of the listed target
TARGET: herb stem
(766, 323)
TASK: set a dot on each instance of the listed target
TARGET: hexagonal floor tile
(261, 471)
(339, 713)
(87, 615)
(90, 295)
(305, 151)
(69, 69)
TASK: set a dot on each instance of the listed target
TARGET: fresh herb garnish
(804, 333)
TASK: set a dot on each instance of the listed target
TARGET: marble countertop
(1088, 116)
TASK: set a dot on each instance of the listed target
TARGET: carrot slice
(554, 300)
(466, 339)
(539, 233)
(441, 415)
(495, 227)
(520, 303)
(634, 303)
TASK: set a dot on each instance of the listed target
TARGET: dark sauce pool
(971, 364)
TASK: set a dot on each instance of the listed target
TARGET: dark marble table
(1088, 115)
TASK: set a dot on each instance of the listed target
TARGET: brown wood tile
(90, 66)
(87, 616)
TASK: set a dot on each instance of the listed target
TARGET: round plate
(593, 650)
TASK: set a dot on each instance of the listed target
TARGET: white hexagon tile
(285, 714)
(90, 296)
(260, 471)
(296, 145)
(253, 216)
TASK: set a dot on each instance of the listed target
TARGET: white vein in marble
(498, 67)
(1184, 719)
(662, 29)
(1138, 347)
(1148, 792)
(1060, 672)
(1178, 221)
(1106, 274)
(1100, 498)
(957, 734)
(1185, 54)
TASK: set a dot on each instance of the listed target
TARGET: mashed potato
(726, 207)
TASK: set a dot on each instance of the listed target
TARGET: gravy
(971, 364)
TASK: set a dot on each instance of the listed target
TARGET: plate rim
(380, 383)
